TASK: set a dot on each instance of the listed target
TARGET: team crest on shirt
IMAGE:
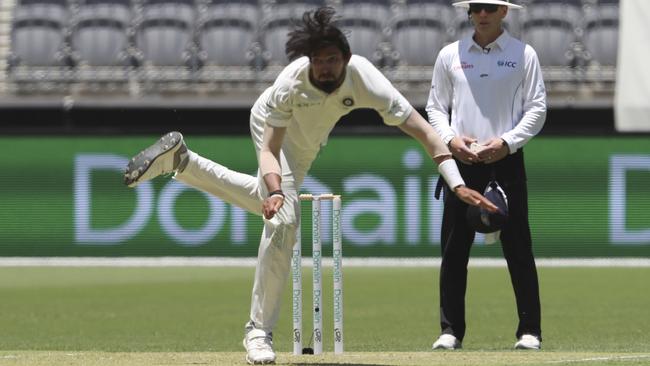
(348, 101)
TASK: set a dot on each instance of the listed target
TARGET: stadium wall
(139, 120)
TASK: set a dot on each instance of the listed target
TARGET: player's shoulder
(528, 50)
(360, 63)
(295, 68)
(292, 74)
(361, 70)
(450, 50)
(516, 45)
(452, 47)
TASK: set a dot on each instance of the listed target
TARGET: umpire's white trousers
(278, 236)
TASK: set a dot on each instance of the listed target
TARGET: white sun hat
(465, 3)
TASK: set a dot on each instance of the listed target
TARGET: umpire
(487, 100)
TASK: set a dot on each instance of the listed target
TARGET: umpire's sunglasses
(489, 8)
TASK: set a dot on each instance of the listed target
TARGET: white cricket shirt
(310, 114)
(493, 92)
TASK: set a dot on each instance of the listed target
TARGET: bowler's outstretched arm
(418, 128)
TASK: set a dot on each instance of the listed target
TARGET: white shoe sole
(521, 346)
(138, 167)
(445, 347)
(259, 362)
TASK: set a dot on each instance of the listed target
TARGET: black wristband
(279, 191)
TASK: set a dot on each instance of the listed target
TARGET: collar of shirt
(501, 42)
(307, 85)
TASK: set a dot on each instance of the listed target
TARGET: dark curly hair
(315, 32)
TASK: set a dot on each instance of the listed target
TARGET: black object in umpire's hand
(483, 221)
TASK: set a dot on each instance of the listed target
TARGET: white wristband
(449, 170)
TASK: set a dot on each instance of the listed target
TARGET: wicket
(296, 269)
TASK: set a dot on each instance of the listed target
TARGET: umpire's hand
(460, 148)
(493, 151)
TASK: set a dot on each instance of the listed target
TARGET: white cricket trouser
(278, 236)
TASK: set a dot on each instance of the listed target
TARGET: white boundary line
(347, 262)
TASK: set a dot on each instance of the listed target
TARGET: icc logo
(511, 64)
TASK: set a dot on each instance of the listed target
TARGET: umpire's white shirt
(309, 114)
(496, 91)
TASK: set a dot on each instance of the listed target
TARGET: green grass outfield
(195, 316)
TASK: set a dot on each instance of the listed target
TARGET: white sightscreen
(632, 101)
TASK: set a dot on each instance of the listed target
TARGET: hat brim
(465, 4)
(483, 221)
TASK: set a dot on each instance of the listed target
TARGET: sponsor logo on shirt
(304, 101)
(502, 63)
(463, 65)
(305, 104)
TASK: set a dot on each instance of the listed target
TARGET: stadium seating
(100, 33)
(228, 31)
(38, 33)
(601, 32)
(550, 27)
(279, 18)
(191, 46)
(165, 36)
(419, 31)
(364, 20)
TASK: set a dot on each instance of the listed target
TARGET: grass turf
(349, 358)
(196, 316)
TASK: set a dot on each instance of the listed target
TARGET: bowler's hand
(474, 198)
(271, 206)
(459, 147)
(493, 151)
